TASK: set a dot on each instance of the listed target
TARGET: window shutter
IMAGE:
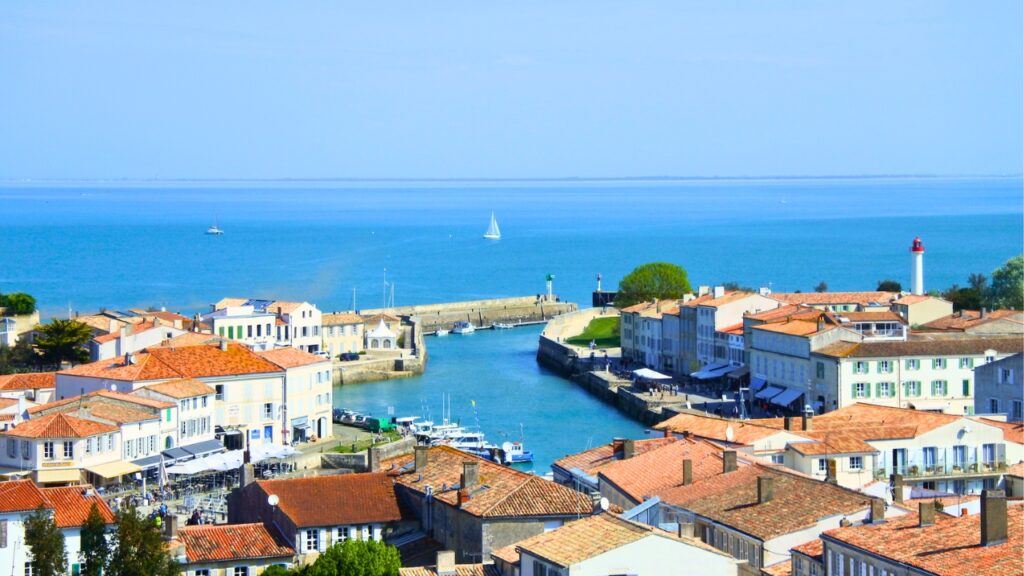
(853, 391)
(867, 390)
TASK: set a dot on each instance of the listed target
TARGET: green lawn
(604, 332)
(367, 442)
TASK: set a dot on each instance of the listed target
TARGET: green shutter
(967, 388)
(867, 390)
(853, 390)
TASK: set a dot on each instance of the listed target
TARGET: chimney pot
(807, 421)
(373, 459)
(993, 517)
(765, 489)
(897, 488)
(926, 514)
(617, 444)
(171, 527)
(687, 472)
(445, 562)
(223, 345)
(877, 510)
(470, 474)
(420, 461)
(667, 432)
(728, 461)
(464, 496)
(628, 449)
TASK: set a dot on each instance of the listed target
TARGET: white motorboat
(471, 442)
(504, 325)
(464, 328)
(493, 232)
(441, 332)
(514, 453)
(214, 231)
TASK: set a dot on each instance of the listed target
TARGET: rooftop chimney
(728, 461)
(926, 514)
(806, 420)
(421, 457)
(667, 432)
(470, 474)
(984, 313)
(628, 449)
(617, 446)
(446, 563)
(718, 291)
(765, 489)
(877, 510)
(171, 527)
(687, 472)
(787, 422)
(897, 488)
(223, 345)
(373, 460)
(464, 496)
(993, 517)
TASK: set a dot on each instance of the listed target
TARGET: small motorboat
(462, 327)
(214, 231)
(441, 332)
(503, 325)
(514, 453)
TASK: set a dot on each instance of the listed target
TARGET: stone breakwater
(482, 313)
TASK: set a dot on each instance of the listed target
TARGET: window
(205, 401)
(988, 454)
(220, 331)
(856, 462)
(860, 367)
(28, 569)
(183, 405)
(885, 390)
(959, 456)
(861, 390)
(48, 450)
(819, 370)
(966, 363)
(939, 388)
(259, 330)
(3, 533)
(167, 414)
(913, 364)
(929, 457)
(822, 464)
(110, 442)
(778, 458)
(312, 540)
(248, 331)
(1017, 413)
(12, 447)
(268, 410)
(241, 571)
(26, 450)
(884, 366)
(341, 535)
(220, 392)
(76, 570)
(88, 446)
(938, 363)
(539, 569)
(1006, 375)
(201, 572)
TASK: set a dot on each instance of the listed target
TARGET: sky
(269, 89)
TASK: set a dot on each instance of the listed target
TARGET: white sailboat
(214, 230)
(493, 232)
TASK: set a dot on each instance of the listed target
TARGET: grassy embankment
(604, 332)
(367, 442)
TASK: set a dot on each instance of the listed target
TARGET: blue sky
(512, 89)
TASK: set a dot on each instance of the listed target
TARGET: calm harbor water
(498, 370)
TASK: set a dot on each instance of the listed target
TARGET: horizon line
(160, 180)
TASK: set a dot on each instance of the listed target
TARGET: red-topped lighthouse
(917, 271)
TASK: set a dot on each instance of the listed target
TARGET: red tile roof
(28, 381)
(966, 319)
(1012, 431)
(72, 504)
(460, 570)
(951, 546)
(19, 496)
(222, 542)
(657, 470)
(337, 318)
(871, 422)
(136, 329)
(590, 461)
(289, 357)
(98, 396)
(500, 492)
(822, 298)
(836, 443)
(799, 502)
(58, 425)
(784, 568)
(163, 363)
(184, 388)
(714, 428)
(814, 549)
(315, 502)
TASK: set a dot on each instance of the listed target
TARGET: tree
(963, 298)
(821, 287)
(978, 281)
(734, 286)
(18, 358)
(139, 548)
(652, 281)
(62, 340)
(95, 548)
(889, 286)
(17, 303)
(1007, 289)
(46, 543)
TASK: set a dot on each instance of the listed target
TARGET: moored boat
(462, 327)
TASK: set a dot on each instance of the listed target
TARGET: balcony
(944, 465)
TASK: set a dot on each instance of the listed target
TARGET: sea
(78, 247)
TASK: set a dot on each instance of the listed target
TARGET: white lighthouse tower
(917, 273)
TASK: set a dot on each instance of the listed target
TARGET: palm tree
(62, 340)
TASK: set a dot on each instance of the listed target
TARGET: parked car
(339, 415)
(350, 418)
(348, 356)
(361, 421)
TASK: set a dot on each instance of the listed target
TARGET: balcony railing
(922, 469)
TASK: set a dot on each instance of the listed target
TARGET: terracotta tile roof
(794, 327)
(118, 414)
(7, 402)
(460, 570)
(727, 298)
(965, 319)
(652, 308)
(184, 388)
(292, 357)
(924, 346)
(869, 422)
(694, 302)
(784, 568)
(713, 428)
(914, 299)
(229, 302)
(164, 363)
(822, 298)
(100, 396)
(814, 549)
(285, 306)
(781, 312)
(59, 425)
(336, 318)
(590, 461)
(734, 329)
(19, 496)
(951, 546)
(886, 316)
(500, 492)
(799, 502)
(220, 542)
(136, 329)
(314, 501)
(837, 443)
(589, 537)
(71, 505)
(190, 339)
(1016, 470)
(28, 381)
(657, 470)
(508, 553)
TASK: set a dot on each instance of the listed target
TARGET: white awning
(648, 374)
(787, 397)
(711, 371)
(768, 392)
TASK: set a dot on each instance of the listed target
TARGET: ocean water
(121, 245)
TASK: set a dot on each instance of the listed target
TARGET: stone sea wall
(482, 313)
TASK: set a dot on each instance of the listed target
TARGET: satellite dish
(604, 504)
(729, 434)
(273, 499)
(113, 387)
